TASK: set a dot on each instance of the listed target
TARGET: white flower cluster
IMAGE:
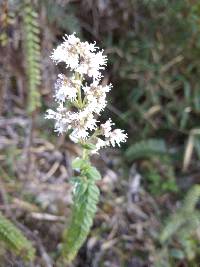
(80, 103)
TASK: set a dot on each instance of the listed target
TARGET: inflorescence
(80, 102)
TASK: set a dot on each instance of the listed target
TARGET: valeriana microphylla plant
(80, 99)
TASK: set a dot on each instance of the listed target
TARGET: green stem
(95, 134)
(85, 154)
(80, 102)
(79, 97)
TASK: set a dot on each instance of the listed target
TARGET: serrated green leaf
(83, 212)
(93, 174)
(15, 240)
(79, 164)
(79, 191)
(75, 179)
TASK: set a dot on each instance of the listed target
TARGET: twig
(47, 217)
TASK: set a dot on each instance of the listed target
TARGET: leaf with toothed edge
(86, 197)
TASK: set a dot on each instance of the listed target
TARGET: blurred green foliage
(14, 239)
(159, 176)
(182, 226)
(159, 68)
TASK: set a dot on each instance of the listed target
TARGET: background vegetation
(149, 210)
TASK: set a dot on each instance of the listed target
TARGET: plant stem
(80, 102)
(85, 154)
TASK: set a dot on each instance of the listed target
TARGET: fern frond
(184, 225)
(14, 239)
(146, 148)
(172, 226)
(32, 54)
(4, 22)
(186, 219)
(85, 205)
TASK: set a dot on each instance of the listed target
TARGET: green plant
(79, 103)
(14, 240)
(157, 66)
(31, 33)
(86, 197)
(146, 149)
(156, 165)
(5, 21)
(159, 175)
(25, 12)
(183, 226)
